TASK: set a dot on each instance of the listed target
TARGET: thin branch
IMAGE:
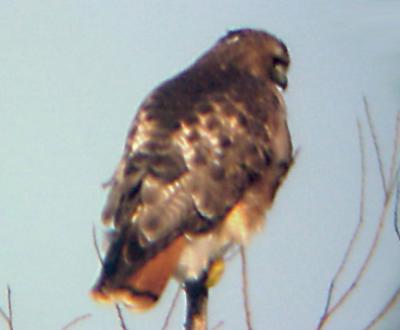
(4, 316)
(367, 260)
(10, 311)
(8, 318)
(245, 288)
(389, 305)
(388, 193)
(96, 245)
(396, 211)
(76, 320)
(376, 145)
(396, 146)
(171, 309)
(218, 325)
(231, 255)
(356, 232)
(120, 317)
(117, 307)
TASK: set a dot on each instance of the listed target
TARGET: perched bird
(203, 160)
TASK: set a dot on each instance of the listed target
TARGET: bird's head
(254, 52)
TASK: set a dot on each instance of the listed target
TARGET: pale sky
(72, 75)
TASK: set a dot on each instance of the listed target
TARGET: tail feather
(140, 283)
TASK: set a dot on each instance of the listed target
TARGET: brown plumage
(202, 163)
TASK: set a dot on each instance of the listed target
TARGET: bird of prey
(202, 162)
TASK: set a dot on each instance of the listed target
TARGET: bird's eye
(279, 60)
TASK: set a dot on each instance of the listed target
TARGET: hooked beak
(279, 73)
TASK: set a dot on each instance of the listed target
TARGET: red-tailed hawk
(203, 160)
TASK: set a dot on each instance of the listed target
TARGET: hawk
(202, 163)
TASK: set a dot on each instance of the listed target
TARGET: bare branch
(96, 245)
(231, 255)
(10, 312)
(245, 288)
(218, 325)
(367, 260)
(396, 146)
(388, 193)
(389, 305)
(76, 320)
(120, 317)
(396, 211)
(376, 145)
(4, 316)
(356, 232)
(171, 309)
(8, 318)
(395, 153)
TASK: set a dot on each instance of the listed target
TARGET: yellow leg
(215, 272)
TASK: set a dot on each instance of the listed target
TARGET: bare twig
(171, 309)
(396, 146)
(75, 321)
(392, 301)
(388, 193)
(366, 262)
(389, 305)
(8, 318)
(396, 211)
(376, 145)
(120, 317)
(218, 325)
(117, 307)
(4, 316)
(357, 230)
(245, 288)
(96, 245)
(231, 255)
(10, 311)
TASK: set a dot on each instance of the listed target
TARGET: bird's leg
(196, 303)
